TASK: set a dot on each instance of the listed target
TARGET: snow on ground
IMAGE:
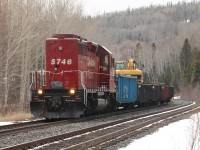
(176, 136)
(177, 97)
(5, 123)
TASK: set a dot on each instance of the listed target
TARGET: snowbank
(181, 135)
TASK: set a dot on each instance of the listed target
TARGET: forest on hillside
(163, 39)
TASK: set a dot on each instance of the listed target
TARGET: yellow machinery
(128, 68)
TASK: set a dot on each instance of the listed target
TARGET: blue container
(126, 89)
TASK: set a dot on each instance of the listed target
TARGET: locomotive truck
(81, 78)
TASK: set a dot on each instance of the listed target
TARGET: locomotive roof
(58, 36)
(105, 49)
(68, 36)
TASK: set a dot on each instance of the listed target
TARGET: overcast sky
(95, 7)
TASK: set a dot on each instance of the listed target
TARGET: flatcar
(80, 79)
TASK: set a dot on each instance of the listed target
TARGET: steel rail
(40, 142)
(125, 132)
(19, 125)
(40, 124)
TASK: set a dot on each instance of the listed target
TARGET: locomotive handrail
(84, 88)
(62, 73)
(38, 79)
(31, 85)
(71, 71)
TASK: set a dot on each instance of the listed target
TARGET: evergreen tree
(185, 55)
(195, 77)
(185, 62)
(195, 67)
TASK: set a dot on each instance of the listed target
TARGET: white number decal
(61, 61)
(69, 61)
(53, 62)
(58, 61)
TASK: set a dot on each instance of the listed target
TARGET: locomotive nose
(55, 103)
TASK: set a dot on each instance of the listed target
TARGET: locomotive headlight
(40, 91)
(72, 91)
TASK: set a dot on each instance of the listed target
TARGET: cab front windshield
(119, 66)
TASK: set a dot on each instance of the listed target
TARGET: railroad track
(42, 124)
(102, 135)
(27, 126)
(17, 127)
(17, 124)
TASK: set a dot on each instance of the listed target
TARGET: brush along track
(94, 136)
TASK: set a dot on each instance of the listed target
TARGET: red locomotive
(79, 78)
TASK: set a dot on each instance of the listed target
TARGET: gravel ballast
(15, 139)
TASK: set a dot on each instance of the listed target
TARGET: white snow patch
(176, 136)
(177, 97)
(5, 123)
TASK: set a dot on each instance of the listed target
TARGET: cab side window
(104, 60)
(82, 50)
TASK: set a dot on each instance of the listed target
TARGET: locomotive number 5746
(61, 61)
